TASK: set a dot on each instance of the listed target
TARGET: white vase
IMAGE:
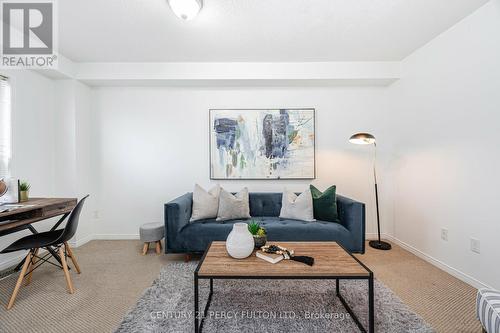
(240, 243)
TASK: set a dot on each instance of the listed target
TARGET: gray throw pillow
(297, 207)
(232, 207)
(205, 204)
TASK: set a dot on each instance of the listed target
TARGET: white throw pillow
(205, 204)
(297, 207)
(232, 207)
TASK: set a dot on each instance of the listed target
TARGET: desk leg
(59, 222)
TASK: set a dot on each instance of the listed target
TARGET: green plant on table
(24, 186)
(255, 229)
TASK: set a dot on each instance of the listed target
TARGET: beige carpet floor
(114, 275)
(446, 303)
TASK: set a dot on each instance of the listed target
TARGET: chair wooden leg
(145, 248)
(72, 256)
(158, 247)
(187, 257)
(30, 268)
(19, 281)
(66, 271)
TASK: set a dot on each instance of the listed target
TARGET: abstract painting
(262, 144)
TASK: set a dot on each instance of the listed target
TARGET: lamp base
(380, 245)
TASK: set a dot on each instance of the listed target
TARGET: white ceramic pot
(240, 243)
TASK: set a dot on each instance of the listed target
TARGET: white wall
(33, 137)
(52, 149)
(447, 123)
(75, 150)
(87, 165)
(154, 146)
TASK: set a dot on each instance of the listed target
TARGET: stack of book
(273, 258)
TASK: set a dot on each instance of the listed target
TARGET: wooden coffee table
(331, 261)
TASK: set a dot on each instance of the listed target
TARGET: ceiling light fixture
(186, 9)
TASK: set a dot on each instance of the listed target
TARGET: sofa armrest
(352, 217)
(177, 215)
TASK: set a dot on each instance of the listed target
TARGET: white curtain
(5, 127)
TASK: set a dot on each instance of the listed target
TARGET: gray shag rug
(265, 306)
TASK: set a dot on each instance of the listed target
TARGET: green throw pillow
(325, 204)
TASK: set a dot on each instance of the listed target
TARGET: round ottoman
(152, 233)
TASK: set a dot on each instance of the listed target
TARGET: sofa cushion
(197, 236)
(296, 230)
(265, 204)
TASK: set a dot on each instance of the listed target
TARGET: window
(5, 127)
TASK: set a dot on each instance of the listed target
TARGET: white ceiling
(254, 30)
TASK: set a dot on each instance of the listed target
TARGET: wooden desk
(34, 210)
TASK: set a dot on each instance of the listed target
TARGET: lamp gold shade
(362, 139)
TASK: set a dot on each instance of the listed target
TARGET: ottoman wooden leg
(158, 247)
(187, 257)
(145, 248)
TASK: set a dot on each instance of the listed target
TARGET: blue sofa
(183, 236)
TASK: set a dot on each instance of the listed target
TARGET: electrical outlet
(475, 245)
(95, 214)
(444, 234)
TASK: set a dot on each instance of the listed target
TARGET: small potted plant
(258, 233)
(24, 190)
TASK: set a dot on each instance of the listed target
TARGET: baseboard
(4, 265)
(115, 236)
(439, 264)
(81, 241)
(374, 235)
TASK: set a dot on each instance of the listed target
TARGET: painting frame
(210, 134)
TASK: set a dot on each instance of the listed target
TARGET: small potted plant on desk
(258, 233)
(24, 190)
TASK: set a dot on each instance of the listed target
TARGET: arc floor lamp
(368, 139)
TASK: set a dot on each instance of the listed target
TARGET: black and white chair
(56, 241)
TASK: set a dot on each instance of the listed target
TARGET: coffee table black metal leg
(349, 310)
(196, 327)
(371, 307)
(205, 312)
(371, 310)
(198, 322)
